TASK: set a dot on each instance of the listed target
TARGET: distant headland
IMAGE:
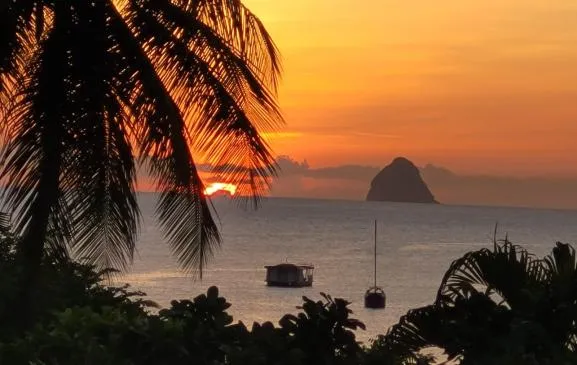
(400, 181)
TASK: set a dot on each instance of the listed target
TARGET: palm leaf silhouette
(500, 303)
(90, 89)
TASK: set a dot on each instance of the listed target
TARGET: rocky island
(400, 181)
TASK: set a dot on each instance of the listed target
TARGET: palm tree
(85, 86)
(497, 306)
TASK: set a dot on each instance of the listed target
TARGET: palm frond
(6, 234)
(14, 40)
(15, 36)
(183, 210)
(158, 78)
(33, 158)
(104, 204)
(562, 262)
(416, 330)
(559, 315)
(224, 92)
(468, 328)
(508, 271)
(99, 173)
(244, 32)
(5, 222)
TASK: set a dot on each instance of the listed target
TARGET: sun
(220, 187)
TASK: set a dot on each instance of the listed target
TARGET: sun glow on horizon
(219, 186)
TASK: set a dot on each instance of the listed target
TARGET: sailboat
(375, 296)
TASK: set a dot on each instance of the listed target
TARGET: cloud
(288, 167)
(298, 179)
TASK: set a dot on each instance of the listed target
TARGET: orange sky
(476, 86)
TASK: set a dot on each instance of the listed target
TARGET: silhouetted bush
(189, 332)
(63, 284)
(78, 320)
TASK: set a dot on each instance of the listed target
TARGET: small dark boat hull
(288, 284)
(375, 299)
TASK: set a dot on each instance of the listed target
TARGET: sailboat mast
(375, 252)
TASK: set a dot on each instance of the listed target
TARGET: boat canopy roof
(290, 266)
(375, 289)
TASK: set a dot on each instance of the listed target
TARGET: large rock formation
(400, 182)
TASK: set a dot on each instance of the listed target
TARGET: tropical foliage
(78, 320)
(196, 332)
(499, 306)
(62, 284)
(87, 88)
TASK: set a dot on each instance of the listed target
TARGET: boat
(375, 296)
(289, 275)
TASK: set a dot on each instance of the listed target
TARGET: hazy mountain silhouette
(298, 179)
(546, 192)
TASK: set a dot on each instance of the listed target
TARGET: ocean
(416, 244)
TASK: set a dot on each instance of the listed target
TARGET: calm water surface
(416, 244)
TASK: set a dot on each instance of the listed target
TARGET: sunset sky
(475, 86)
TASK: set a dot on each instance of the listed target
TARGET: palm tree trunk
(31, 246)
